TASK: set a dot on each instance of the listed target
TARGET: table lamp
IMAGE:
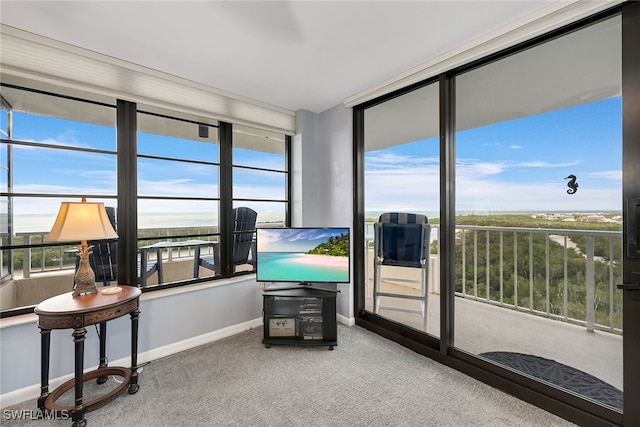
(82, 221)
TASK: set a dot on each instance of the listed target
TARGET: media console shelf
(302, 315)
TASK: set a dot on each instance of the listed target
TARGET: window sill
(23, 319)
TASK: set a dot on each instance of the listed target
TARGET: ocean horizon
(35, 223)
(32, 223)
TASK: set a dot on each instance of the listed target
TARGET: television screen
(319, 255)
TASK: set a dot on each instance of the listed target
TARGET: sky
(294, 239)
(517, 165)
(49, 171)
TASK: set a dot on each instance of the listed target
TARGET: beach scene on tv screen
(303, 255)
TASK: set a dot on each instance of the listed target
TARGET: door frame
(551, 399)
(630, 190)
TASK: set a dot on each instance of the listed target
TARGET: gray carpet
(366, 381)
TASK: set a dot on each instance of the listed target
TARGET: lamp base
(77, 291)
(85, 277)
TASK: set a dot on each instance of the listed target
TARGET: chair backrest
(104, 256)
(402, 239)
(403, 218)
(244, 227)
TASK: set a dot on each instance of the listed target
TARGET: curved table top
(66, 311)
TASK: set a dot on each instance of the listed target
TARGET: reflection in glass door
(539, 213)
(401, 188)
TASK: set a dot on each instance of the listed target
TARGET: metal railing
(477, 260)
(561, 237)
(65, 258)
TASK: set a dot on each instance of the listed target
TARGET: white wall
(181, 318)
(170, 321)
(322, 178)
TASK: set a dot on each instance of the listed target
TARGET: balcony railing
(480, 252)
(476, 266)
(65, 258)
(565, 239)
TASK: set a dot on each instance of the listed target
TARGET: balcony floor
(481, 327)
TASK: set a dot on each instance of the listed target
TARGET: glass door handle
(633, 228)
(629, 287)
(633, 287)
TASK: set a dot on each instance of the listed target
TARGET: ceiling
(309, 55)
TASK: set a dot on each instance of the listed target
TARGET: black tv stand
(300, 315)
(303, 285)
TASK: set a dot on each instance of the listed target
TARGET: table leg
(133, 381)
(143, 268)
(77, 414)
(45, 348)
(196, 262)
(103, 351)
(159, 264)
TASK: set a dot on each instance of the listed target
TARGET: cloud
(385, 160)
(480, 185)
(541, 164)
(615, 175)
(467, 167)
(66, 139)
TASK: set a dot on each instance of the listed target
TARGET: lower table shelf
(125, 373)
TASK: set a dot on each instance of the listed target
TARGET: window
(260, 173)
(61, 145)
(5, 260)
(178, 190)
(55, 148)
(260, 176)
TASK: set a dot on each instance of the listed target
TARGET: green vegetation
(519, 274)
(335, 246)
(530, 221)
(524, 276)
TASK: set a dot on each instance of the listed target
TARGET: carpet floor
(365, 381)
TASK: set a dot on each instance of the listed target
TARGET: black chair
(244, 227)
(104, 259)
(148, 266)
(402, 240)
(104, 255)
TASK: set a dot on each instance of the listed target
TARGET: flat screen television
(305, 255)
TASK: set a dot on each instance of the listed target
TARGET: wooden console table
(68, 312)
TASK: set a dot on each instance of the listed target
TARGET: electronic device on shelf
(308, 256)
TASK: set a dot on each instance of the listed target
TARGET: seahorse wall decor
(572, 184)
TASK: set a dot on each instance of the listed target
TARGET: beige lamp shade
(79, 221)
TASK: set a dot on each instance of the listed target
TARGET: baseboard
(189, 343)
(33, 391)
(349, 321)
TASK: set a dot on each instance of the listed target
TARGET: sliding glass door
(538, 232)
(535, 155)
(401, 183)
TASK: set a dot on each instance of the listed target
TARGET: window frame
(442, 349)
(126, 191)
